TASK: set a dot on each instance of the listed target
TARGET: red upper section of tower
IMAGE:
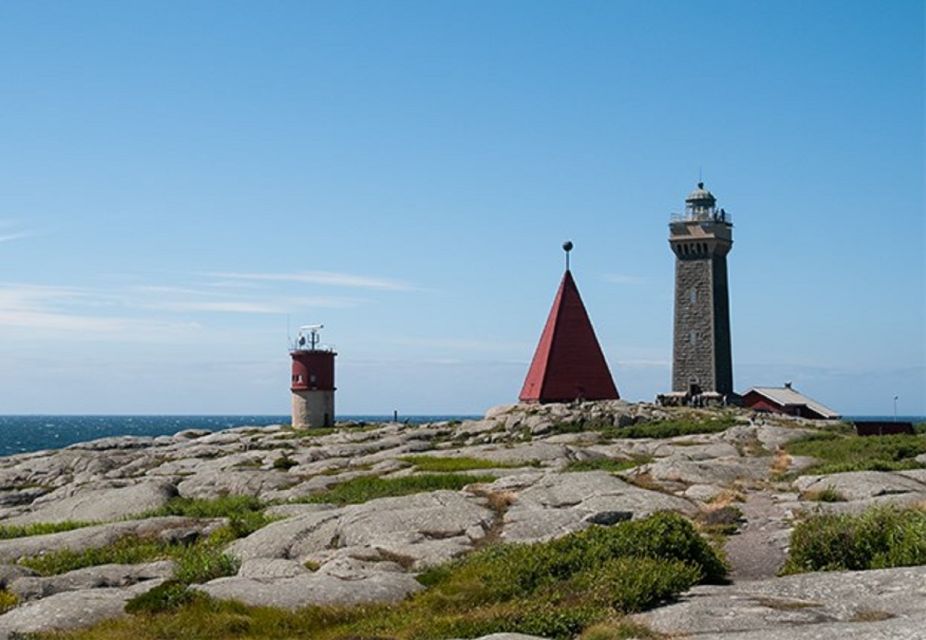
(568, 364)
(312, 370)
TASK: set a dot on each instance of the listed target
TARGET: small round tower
(312, 383)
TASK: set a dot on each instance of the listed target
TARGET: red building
(786, 400)
(568, 364)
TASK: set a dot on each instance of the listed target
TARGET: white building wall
(313, 409)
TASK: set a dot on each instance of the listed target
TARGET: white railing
(710, 215)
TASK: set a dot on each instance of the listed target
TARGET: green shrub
(167, 596)
(447, 464)
(839, 453)
(7, 600)
(202, 563)
(878, 538)
(284, 463)
(40, 528)
(920, 428)
(364, 488)
(506, 571)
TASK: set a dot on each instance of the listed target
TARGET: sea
(20, 434)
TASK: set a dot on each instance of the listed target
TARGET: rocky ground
(327, 553)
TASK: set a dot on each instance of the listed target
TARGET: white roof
(788, 396)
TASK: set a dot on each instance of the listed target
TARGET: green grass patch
(40, 528)
(878, 538)
(606, 464)
(920, 428)
(659, 429)
(366, 488)
(7, 600)
(127, 550)
(674, 428)
(441, 464)
(557, 589)
(199, 562)
(829, 494)
(619, 630)
(245, 513)
(838, 453)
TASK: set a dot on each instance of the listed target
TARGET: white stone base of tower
(313, 409)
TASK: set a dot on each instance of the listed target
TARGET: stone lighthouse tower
(312, 382)
(701, 238)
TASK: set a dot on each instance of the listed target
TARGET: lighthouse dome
(701, 197)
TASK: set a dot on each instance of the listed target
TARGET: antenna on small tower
(308, 334)
(567, 247)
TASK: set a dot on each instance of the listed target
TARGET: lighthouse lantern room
(312, 383)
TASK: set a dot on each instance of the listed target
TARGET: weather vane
(567, 247)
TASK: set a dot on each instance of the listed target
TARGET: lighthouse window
(312, 379)
(299, 378)
(693, 295)
(693, 337)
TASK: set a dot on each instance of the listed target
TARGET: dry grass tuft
(870, 615)
(780, 463)
(725, 498)
(645, 481)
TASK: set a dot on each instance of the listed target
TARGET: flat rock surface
(426, 528)
(314, 588)
(814, 605)
(557, 504)
(859, 485)
(70, 609)
(97, 505)
(106, 575)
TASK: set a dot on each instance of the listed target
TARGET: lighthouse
(701, 238)
(312, 383)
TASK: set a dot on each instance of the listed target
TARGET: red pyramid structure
(568, 364)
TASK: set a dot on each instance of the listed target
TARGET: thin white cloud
(43, 308)
(327, 278)
(244, 306)
(7, 237)
(462, 344)
(623, 278)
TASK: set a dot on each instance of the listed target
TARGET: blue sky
(178, 178)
